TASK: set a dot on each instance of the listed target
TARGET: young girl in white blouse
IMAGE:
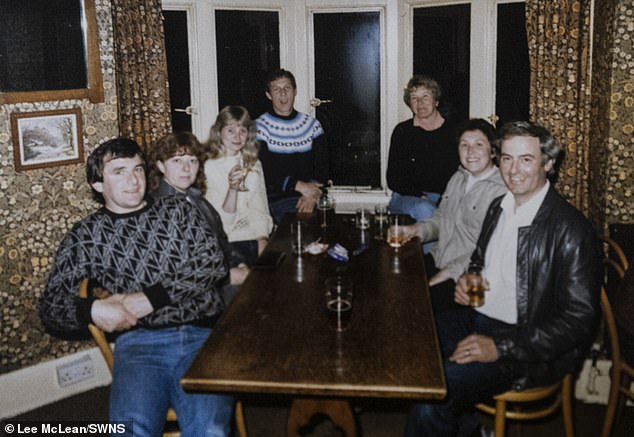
(236, 182)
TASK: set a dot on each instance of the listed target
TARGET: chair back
(615, 264)
(623, 234)
(97, 334)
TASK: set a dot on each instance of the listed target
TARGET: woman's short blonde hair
(419, 80)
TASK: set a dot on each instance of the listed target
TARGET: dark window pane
(177, 52)
(247, 44)
(513, 73)
(348, 71)
(41, 45)
(441, 50)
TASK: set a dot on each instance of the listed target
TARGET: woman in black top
(423, 154)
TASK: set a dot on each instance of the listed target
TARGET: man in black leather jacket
(541, 262)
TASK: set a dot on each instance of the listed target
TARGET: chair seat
(529, 395)
(526, 396)
(560, 393)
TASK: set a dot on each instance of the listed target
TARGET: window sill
(348, 199)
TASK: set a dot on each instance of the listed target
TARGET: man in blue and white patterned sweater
(161, 264)
(293, 150)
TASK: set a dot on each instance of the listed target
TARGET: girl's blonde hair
(225, 116)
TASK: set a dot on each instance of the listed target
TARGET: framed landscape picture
(47, 138)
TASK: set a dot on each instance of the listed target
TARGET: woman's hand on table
(411, 231)
(238, 274)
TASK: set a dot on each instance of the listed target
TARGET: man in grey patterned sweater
(161, 264)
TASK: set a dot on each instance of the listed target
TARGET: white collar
(483, 175)
(525, 213)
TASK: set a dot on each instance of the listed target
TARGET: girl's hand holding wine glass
(236, 176)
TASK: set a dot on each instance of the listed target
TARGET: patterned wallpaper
(37, 207)
(612, 117)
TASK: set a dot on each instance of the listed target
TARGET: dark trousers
(441, 294)
(248, 249)
(281, 207)
(467, 384)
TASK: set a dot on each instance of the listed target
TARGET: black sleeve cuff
(83, 310)
(503, 346)
(157, 295)
(235, 259)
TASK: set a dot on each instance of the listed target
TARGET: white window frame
(482, 60)
(348, 194)
(191, 8)
(296, 54)
(202, 51)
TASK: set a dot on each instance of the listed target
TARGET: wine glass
(245, 170)
(325, 204)
(380, 220)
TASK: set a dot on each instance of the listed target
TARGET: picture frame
(47, 138)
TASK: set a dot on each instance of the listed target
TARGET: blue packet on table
(339, 253)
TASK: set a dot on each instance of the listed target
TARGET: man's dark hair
(107, 151)
(278, 74)
(549, 147)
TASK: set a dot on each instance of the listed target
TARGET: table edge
(343, 390)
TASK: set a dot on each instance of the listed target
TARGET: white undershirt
(471, 179)
(500, 262)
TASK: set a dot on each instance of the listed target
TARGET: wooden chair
(621, 374)
(614, 260)
(171, 428)
(559, 394)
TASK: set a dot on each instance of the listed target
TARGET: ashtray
(316, 248)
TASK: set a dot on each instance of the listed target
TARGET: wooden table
(275, 336)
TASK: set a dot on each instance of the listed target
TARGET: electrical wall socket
(75, 371)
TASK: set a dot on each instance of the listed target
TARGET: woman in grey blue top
(457, 221)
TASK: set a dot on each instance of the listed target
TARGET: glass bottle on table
(395, 235)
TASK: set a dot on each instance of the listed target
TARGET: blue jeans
(148, 366)
(419, 208)
(467, 384)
